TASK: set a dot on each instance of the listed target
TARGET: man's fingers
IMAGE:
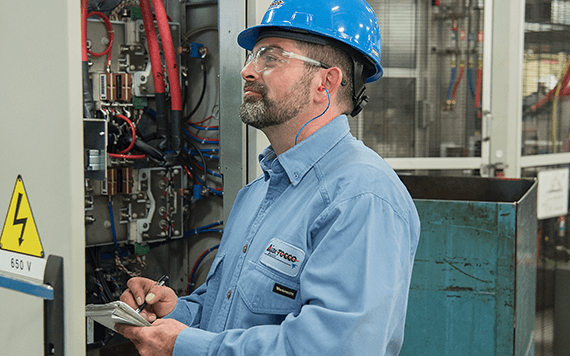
(128, 331)
(127, 297)
(139, 288)
(156, 293)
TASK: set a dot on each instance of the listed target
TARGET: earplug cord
(316, 117)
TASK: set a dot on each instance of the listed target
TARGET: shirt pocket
(265, 292)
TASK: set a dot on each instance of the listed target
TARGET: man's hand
(155, 340)
(160, 300)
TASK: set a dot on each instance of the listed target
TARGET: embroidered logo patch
(283, 257)
(287, 292)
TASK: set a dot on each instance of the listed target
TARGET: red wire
(201, 122)
(153, 51)
(109, 26)
(116, 155)
(189, 174)
(133, 133)
(202, 138)
(169, 54)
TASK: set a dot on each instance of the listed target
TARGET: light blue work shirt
(316, 258)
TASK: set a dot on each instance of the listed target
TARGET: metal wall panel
(41, 140)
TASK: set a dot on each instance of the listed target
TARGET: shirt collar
(298, 160)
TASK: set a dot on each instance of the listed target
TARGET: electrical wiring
(201, 157)
(122, 267)
(200, 122)
(205, 128)
(195, 267)
(461, 71)
(204, 82)
(112, 220)
(94, 258)
(157, 73)
(186, 37)
(153, 50)
(206, 155)
(133, 133)
(213, 141)
(189, 173)
(203, 153)
(115, 13)
(101, 291)
(208, 171)
(116, 155)
(216, 191)
(451, 81)
(470, 78)
(169, 54)
(174, 141)
(110, 31)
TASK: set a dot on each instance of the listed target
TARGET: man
(317, 253)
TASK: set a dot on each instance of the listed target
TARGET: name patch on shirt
(287, 292)
(283, 257)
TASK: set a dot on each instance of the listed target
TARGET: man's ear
(331, 80)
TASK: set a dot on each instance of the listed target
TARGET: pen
(160, 282)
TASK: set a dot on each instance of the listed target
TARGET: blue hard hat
(353, 23)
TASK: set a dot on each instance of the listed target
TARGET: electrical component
(147, 205)
(144, 178)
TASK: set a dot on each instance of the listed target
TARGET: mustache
(255, 87)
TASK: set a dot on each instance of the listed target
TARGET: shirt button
(245, 249)
(229, 294)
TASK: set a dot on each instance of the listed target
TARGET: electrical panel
(139, 205)
(151, 147)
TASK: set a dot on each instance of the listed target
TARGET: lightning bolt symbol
(20, 221)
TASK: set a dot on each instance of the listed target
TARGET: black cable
(205, 76)
(106, 293)
(189, 140)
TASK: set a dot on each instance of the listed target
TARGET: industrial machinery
(151, 155)
(429, 102)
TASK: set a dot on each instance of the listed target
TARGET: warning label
(20, 233)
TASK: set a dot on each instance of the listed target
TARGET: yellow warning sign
(20, 233)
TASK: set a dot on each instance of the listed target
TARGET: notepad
(115, 312)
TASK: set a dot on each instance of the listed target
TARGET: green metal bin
(473, 285)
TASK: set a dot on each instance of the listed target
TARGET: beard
(264, 112)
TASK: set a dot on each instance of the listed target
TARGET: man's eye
(270, 58)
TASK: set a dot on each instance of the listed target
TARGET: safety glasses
(273, 57)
